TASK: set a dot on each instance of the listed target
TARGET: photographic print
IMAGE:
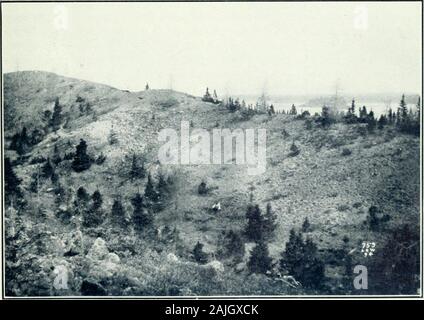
(211, 149)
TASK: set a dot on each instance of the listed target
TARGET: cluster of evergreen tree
(408, 121)
(326, 118)
(137, 170)
(233, 245)
(12, 184)
(395, 268)
(300, 257)
(22, 141)
(112, 137)
(405, 120)
(90, 209)
(81, 160)
(198, 254)
(260, 226)
(56, 119)
(142, 217)
(260, 229)
(207, 97)
(234, 104)
(301, 260)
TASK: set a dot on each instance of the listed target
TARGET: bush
(308, 124)
(306, 226)
(100, 159)
(167, 102)
(372, 219)
(346, 152)
(37, 160)
(202, 189)
(199, 255)
(343, 207)
(294, 150)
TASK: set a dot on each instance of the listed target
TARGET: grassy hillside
(339, 173)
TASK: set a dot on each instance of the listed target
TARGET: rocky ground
(333, 188)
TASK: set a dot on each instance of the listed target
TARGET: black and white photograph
(194, 150)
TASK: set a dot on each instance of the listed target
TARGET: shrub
(199, 255)
(294, 150)
(37, 160)
(167, 102)
(100, 159)
(306, 226)
(372, 219)
(346, 152)
(202, 189)
(343, 207)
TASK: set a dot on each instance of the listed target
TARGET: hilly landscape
(91, 211)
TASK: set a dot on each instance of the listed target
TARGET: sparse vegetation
(156, 224)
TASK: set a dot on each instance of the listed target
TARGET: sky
(244, 48)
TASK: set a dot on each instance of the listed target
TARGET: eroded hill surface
(337, 176)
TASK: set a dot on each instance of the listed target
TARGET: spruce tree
(259, 261)
(234, 245)
(54, 178)
(270, 223)
(81, 159)
(118, 214)
(301, 260)
(419, 110)
(56, 158)
(47, 169)
(81, 201)
(136, 171)
(199, 255)
(94, 215)
(398, 262)
(292, 255)
(149, 192)
(371, 123)
(313, 268)
(294, 150)
(112, 137)
(11, 182)
(390, 116)
(35, 181)
(382, 121)
(21, 142)
(56, 119)
(162, 184)
(403, 110)
(141, 216)
(306, 225)
(363, 114)
(255, 223)
(202, 188)
(325, 117)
